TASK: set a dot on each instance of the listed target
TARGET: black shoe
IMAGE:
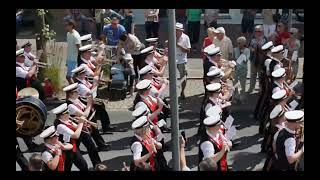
(105, 147)
(110, 128)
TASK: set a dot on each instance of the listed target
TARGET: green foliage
(53, 74)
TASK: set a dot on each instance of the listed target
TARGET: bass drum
(31, 115)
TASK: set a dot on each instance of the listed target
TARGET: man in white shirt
(183, 47)
(74, 43)
(224, 43)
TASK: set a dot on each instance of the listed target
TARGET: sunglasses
(258, 31)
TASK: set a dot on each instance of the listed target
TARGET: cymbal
(29, 91)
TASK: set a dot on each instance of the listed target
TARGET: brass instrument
(287, 65)
(291, 90)
(42, 64)
(227, 68)
(300, 143)
(93, 124)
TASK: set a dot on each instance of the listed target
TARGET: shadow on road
(116, 163)
(245, 161)
(121, 144)
(247, 141)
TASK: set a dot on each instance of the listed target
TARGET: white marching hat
(212, 68)
(212, 121)
(210, 47)
(179, 26)
(144, 84)
(267, 46)
(147, 50)
(277, 49)
(86, 37)
(84, 48)
(280, 94)
(277, 111)
(146, 70)
(278, 73)
(214, 110)
(71, 87)
(141, 110)
(152, 40)
(214, 73)
(214, 87)
(19, 52)
(127, 57)
(62, 109)
(212, 51)
(140, 122)
(267, 62)
(49, 132)
(294, 116)
(80, 69)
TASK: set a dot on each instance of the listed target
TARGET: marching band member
(276, 57)
(29, 57)
(54, 156)
(279, 81)
(78, 109)
(154, 132)
(25, 76)
(85, 90)
(152, 61)
(263, 79)
(284, 143)
(157, 88)
(277, 123)
(86, 58)
(213, 57)
(70, 132)
(213, 144)
(143, 97)
(143, 147)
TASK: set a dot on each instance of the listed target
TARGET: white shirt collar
(140, 138)
(84, 60)
(289, 130)
(212, 136)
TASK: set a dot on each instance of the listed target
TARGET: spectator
(112, 32)
(281, 34)
(247, 23)
(101, 167)
(242, 68)
(35, 162)
(257, 55)
(128, 21)
(181, 16)
(152, 22)
(183, 162)
(194, 17)
(109, 13)
(74, 43)
(98, 20)
(208, 164)
(269, 26)
(224, 43)
(208, 40)
(293, 44)
(80, 20)
(183, 47)
(132, 45)
(211, 18)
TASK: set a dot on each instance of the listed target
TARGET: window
(259, 11)
(223, 11)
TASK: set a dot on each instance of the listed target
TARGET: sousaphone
(31, 113)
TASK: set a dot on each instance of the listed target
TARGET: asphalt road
(243, 157)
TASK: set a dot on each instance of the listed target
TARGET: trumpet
(291, 90)
(93, 124)
(42, 64)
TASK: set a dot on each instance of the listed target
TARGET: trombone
(93, 124)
